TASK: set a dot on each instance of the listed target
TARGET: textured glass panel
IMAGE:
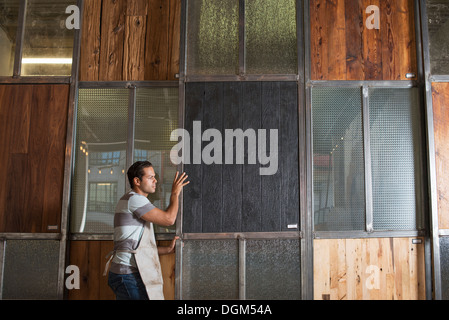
(273, 269)
(213, 37)
(270, 37)
(210, 270)
(100, 158)
(338, 162)
(48, 43)
(31, 269)
(438, 23)
(156, 118)
(394, 133)
(444, 263)
(9, 12)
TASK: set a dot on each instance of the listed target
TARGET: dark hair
(136, 170)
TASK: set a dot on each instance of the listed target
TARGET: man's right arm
(168, 217)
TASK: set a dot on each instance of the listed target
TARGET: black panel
(236, 197)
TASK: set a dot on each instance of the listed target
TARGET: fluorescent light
(47, 61)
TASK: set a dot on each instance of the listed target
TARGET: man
(135, 269)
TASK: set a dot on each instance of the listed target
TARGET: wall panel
(33, 120)
(440, 96)
(89, 257)
(130, 40)
(347, 50)
(369, 269)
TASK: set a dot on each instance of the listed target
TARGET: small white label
(292, 226)
(52, 227)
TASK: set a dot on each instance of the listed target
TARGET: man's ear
(136, 181)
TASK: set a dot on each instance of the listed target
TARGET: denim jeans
(127, 286)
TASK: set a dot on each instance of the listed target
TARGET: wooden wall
(130, 40)
(89, 256)
(33, 124)
(342, 48)
(440, 97)
(369, 269)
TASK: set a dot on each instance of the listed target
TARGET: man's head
(141, 177)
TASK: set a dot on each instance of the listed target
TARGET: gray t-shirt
(128, 228)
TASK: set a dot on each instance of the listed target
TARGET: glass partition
(9, 15)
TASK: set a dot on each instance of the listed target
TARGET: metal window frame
(16, 77)
(305, 241)
(434, 232)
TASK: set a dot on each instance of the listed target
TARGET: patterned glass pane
(213, 37)
(270, 37)
(100, 159)
(156, 118)
(338, 161)
(273, 269)
(438, 23)
(210, 270)
(444, 263)
(394, 134)
(31, 269)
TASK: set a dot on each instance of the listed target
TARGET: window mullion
(19, 38)
(367, 161)
(131, 126)
(242, 42)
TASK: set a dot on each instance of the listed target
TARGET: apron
(147, 260)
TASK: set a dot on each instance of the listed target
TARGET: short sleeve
(139, 205)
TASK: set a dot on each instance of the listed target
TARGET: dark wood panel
(90, 41)
(33, 159)
(232, 197)
(346, 49)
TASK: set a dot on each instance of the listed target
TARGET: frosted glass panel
(9, 13)
(213, 37)
(100, 159)
(338, 160)
(210, 270)
(273, 269)
(394, 133)
(156, 118)
(270, 37)
(31, 269)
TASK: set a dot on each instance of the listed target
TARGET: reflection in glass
(438, 24)
(100, 158)
(48, 43)
(156, 118)
(338, 161)
(9, 12)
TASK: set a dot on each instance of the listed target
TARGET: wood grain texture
(130, 40)
(346, 50)
(232, 197)
(89, 257)
(440, 97)
(369, 269)
(34, 122)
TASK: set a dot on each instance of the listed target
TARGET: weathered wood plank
(134, 51)
(369, 269)
(90, 39)
(440, 96)
(112, 40)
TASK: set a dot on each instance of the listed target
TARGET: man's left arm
(169, 249)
